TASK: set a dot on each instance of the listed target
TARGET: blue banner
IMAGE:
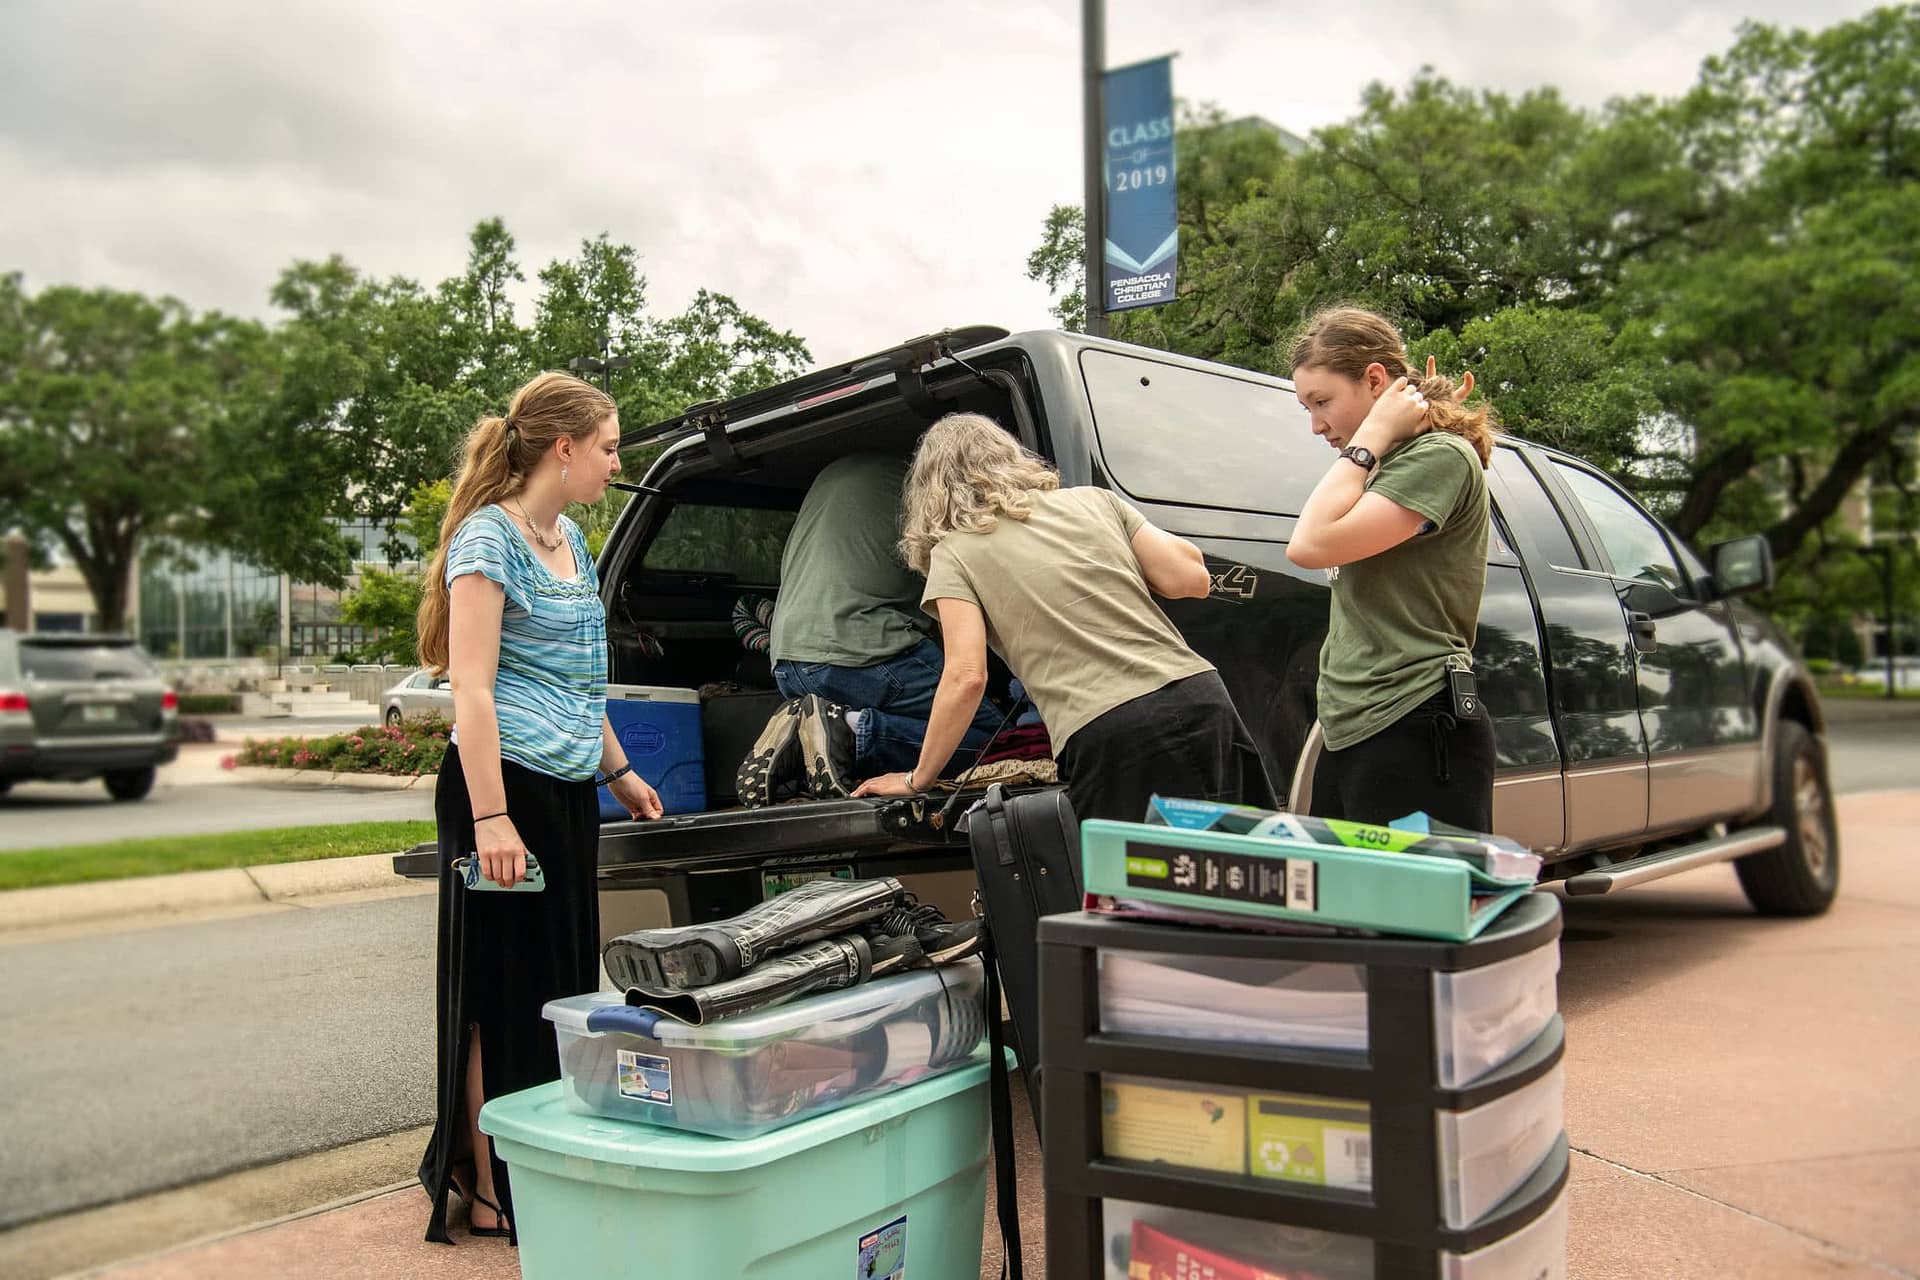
(1142, 230)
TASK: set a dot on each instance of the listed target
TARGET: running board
(1669, 862)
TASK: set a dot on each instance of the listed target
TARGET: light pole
(1093, 57)
(604, 364)
(1885, 555)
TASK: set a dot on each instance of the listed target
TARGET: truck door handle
(1640, 626)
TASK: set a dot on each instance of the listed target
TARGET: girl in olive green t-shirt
(1400, 524)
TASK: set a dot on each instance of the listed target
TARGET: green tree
(1714, 296)
(125, 420)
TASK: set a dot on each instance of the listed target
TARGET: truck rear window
(84, 662)
(1201, 438)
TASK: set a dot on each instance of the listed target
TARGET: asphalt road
(185, 802)
(1874, 754)
(140, 1059)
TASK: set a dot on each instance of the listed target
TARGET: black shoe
(935, 940)
(774, 760)
(698, 955)
(826, 747)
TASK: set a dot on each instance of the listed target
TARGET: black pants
(1184, 739)
(1426, 760)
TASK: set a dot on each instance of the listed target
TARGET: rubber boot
(698, 955)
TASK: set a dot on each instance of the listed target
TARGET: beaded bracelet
(621, 772)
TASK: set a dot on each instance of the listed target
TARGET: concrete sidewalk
(1737, 1096)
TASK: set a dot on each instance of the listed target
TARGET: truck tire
(129, 784)
(1800, 877)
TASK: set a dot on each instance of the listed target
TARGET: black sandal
(502, 1231)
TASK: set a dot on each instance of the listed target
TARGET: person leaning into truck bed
(1400, 524)
(848, 639)
(1060, 582)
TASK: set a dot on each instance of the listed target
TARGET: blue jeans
(895, 697)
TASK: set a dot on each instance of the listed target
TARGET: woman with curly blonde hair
(1060, 582)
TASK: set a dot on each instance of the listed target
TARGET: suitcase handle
(996, 804)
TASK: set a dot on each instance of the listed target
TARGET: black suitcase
(1026, 857)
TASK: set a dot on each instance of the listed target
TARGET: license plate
(99, 712)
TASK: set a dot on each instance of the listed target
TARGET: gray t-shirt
(845, 596)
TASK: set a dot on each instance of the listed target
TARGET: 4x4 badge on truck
(1237, 581)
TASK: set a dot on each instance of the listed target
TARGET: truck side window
(1633, 542)
(1530, 510)
(744, 543)
(1200, 438)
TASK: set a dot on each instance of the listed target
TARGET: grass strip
(76, 864)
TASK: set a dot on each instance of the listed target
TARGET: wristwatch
(1360, 456)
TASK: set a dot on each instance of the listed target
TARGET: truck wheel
(129, 784)
(1800, 877)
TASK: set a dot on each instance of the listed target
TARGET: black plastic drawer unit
(1334, 1107)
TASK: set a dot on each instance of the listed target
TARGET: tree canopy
(1715, 296)
(129, 423)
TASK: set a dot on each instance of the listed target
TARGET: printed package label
(1289, 883)
(883, 1253)
(1321, 1141)
(645, 1077)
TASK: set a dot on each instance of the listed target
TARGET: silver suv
(84, 706)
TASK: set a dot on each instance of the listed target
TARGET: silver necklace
(538, 536)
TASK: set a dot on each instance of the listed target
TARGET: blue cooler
(861, 1192)
(660, 730)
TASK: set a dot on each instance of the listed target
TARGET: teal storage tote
(895, 1186)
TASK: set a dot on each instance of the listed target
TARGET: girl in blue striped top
(512, 610)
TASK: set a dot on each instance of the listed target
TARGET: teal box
(882, 1190)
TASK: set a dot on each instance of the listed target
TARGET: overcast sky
(856, 172)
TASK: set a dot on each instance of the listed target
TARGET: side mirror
(1741, 565)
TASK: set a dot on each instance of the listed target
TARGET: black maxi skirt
(502, 956)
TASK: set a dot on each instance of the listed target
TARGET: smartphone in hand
(468, 869)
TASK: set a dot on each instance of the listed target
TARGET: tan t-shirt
(1066, 606)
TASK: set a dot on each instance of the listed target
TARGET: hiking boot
(698, 955)
(774, 759)
(826, 747)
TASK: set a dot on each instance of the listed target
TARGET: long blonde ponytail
(498, 454)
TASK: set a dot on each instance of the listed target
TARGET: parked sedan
(418, 694)
(75, 706)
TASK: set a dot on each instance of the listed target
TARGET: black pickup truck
(1647, 722)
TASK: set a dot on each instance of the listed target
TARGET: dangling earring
(563, 473)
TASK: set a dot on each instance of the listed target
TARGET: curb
(68, 904)
(272, 777)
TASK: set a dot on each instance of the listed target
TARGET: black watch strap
(1360, 456)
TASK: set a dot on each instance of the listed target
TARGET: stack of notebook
(1209, 862)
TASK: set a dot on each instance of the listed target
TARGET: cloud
(857, 172)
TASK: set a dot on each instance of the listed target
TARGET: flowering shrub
(413, 746)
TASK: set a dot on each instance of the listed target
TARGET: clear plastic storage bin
(1486, 1153)
(1230, 1000)
(1270, 1246)
(1481, 1017)
(746, 1075)
(1537, 1251)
